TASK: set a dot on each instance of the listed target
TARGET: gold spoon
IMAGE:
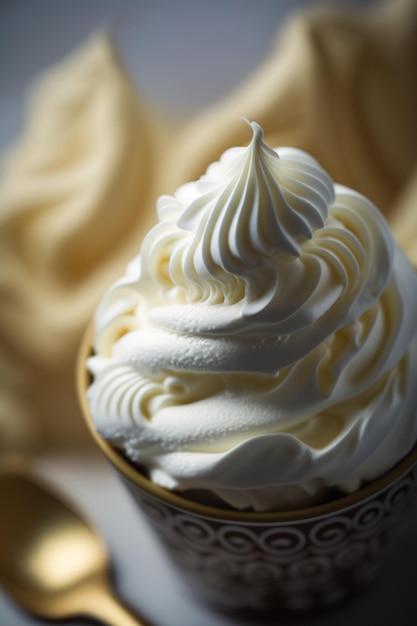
(51, 562)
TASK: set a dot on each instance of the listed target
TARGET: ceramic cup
(298, 559)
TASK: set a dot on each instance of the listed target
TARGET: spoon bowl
(52, 563)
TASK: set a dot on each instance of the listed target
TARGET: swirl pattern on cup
(305, 563)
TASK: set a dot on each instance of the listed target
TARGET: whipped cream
(263, 344)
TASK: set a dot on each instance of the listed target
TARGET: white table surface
(229, 38)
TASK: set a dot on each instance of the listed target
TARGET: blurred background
(183, 55)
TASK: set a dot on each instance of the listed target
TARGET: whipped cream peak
(218, 238)
(263, 201)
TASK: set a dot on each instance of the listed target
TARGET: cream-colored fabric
(78, 190)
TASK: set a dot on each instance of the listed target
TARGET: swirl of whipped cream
(263, 345)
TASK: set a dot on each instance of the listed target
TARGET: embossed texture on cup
(295, 559)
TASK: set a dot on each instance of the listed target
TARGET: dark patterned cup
(295, 559)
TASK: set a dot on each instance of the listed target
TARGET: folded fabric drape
(78, 190)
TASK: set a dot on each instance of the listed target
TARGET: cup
(301, 559)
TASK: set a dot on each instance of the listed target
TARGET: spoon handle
(103, 605)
